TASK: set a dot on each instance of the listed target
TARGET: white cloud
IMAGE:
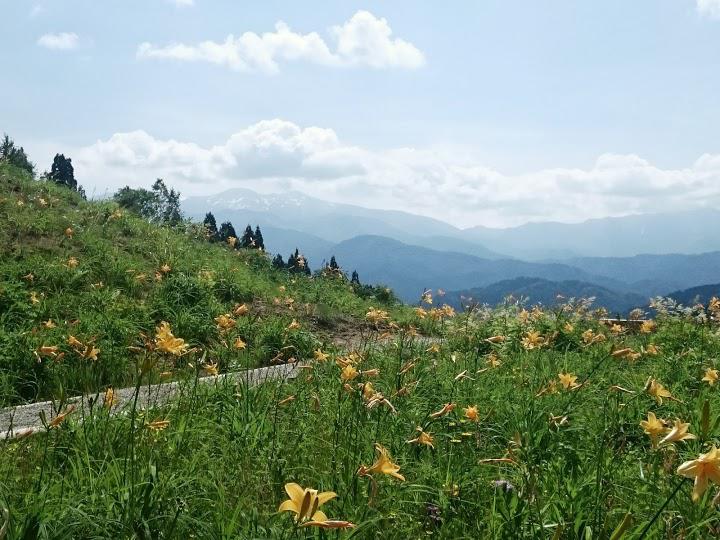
(710, 8)
(277, 154)
(62, 41)
(182, 3)
(363, 40)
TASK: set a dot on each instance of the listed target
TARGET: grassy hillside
(508, 424)
(106, 277)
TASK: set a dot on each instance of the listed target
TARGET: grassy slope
(112, 295)
(217, 469)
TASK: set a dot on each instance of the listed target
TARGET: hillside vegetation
(507, 423)
(82, 284)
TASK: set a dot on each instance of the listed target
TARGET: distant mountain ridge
(701, 294)
(688, 232)
(538, 291)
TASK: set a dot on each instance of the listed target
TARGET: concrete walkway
(24, 420)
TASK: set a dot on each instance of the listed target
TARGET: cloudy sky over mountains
(491, 113)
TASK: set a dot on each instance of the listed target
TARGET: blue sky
(486, 112)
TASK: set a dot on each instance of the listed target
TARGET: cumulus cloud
(63, 41)
(710, 8)
(276, 154)
(363, 40)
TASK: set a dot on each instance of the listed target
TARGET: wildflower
(377, 316)
(616, 329)
(495, 339)
(90, 352)
(239, 344)
(69, 232)
(42, 202)
(523, 316)
(589, 337)
(231, 241)
(558, 421)
(471, 413)
(304, 503)
(367, 390)
(158, 425)
(422, 438)
(657, 390)
(49, 324)
(29, 277)
(370, 372)
(383, 465)
(679, 432)
(568, 381)
(211, 369)
(294, 325)
(705, 467)
(650, 350)
(49, 351)
(165, 268)
(434, 348)
(447, 409)
(569, 328)
(647, 327)
(626, 353)
(224, 322)
(320, 356)
(653, 427)
(533, 340)
(109, 398)
(74, 342)
(348, 373)
(166, 342)
(61, 417)
(711, 376)
(493, 360)
(427, 297)
(72, 262)
(240, 310)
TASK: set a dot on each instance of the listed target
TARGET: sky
(483, 112)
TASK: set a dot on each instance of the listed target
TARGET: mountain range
(621, 261)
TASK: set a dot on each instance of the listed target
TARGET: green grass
(112, 295)
(542, 461)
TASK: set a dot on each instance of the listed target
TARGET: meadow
(509, 422)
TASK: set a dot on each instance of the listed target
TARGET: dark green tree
(248, 238)
(259, 241)
(333, 264)
(62, 172)
(278, 262)
(226, 231)
(15, 155)
(141, 201)
(355, 279)
(211, 226)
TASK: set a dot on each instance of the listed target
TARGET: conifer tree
(333, 263)
(62, 172)
(211, 226)
(248, 238)
(355, 278)
(259, 242)
(226, 231)
(15, 155)
(278, 262)
(292, 261)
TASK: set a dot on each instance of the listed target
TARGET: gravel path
(25, 420)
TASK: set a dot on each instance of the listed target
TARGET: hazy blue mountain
(682, 232)
(408, 269)
(655, 274)
(702, 294)
(545, 292)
